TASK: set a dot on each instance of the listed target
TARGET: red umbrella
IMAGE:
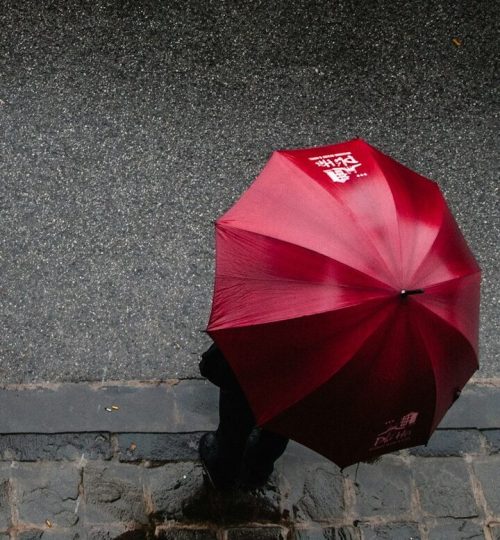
(346, 301)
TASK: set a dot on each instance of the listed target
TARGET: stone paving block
(185, 406)
(5, 509)
(48, 534)
(48, 491)
(235, 506)
(455, 529)
(492, 440)
(55, 447)
(30, 535)
(495, 531)
(311, 487)
(158, 446)
(323, 496)
(114, 492)
(488, 473)
(328, 533)
(187, 534)
(112, 532)
(445, 443)
(172, 488)
(390, 531)
(382, 488)
(445, 488)
(262, 533)
(476, 409)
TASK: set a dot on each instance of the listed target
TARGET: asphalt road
(127, 127)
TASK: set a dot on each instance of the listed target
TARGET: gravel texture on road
(127, 127)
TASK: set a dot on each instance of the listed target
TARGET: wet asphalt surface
(127, 127)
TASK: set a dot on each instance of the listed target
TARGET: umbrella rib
(451, 280)
(312, 283)
(456, 329)
(429, 251)
(361, 345)
(349, 211)
(225, 225)
(431, 247)
(313, 314)
(381, 170)
(424, 344)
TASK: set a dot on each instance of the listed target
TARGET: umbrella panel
(389, 396)
(281, 363)
(262, 280)
(285, 204)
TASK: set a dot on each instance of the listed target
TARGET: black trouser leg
(265, 449)
(236, 422)
(269, 447)
(235, 426)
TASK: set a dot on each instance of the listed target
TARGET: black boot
(221, 471)
(222, 452)
(262, 450)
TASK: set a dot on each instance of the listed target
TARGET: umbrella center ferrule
(407, 292)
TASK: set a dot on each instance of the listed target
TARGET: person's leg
(263, 449)
(229, 453)
(222, 451)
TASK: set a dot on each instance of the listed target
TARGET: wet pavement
(114, 470)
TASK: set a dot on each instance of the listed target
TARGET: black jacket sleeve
(215, 368)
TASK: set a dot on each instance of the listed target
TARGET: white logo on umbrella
(338, 167)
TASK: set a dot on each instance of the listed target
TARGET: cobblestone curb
(106, 485)
(401, 496)
(172, 407)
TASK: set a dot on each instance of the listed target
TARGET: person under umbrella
(237, 453)
(346, 303)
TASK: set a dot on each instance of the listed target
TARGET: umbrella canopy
(346, 301)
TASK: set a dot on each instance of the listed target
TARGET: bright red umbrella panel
(346, 301)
